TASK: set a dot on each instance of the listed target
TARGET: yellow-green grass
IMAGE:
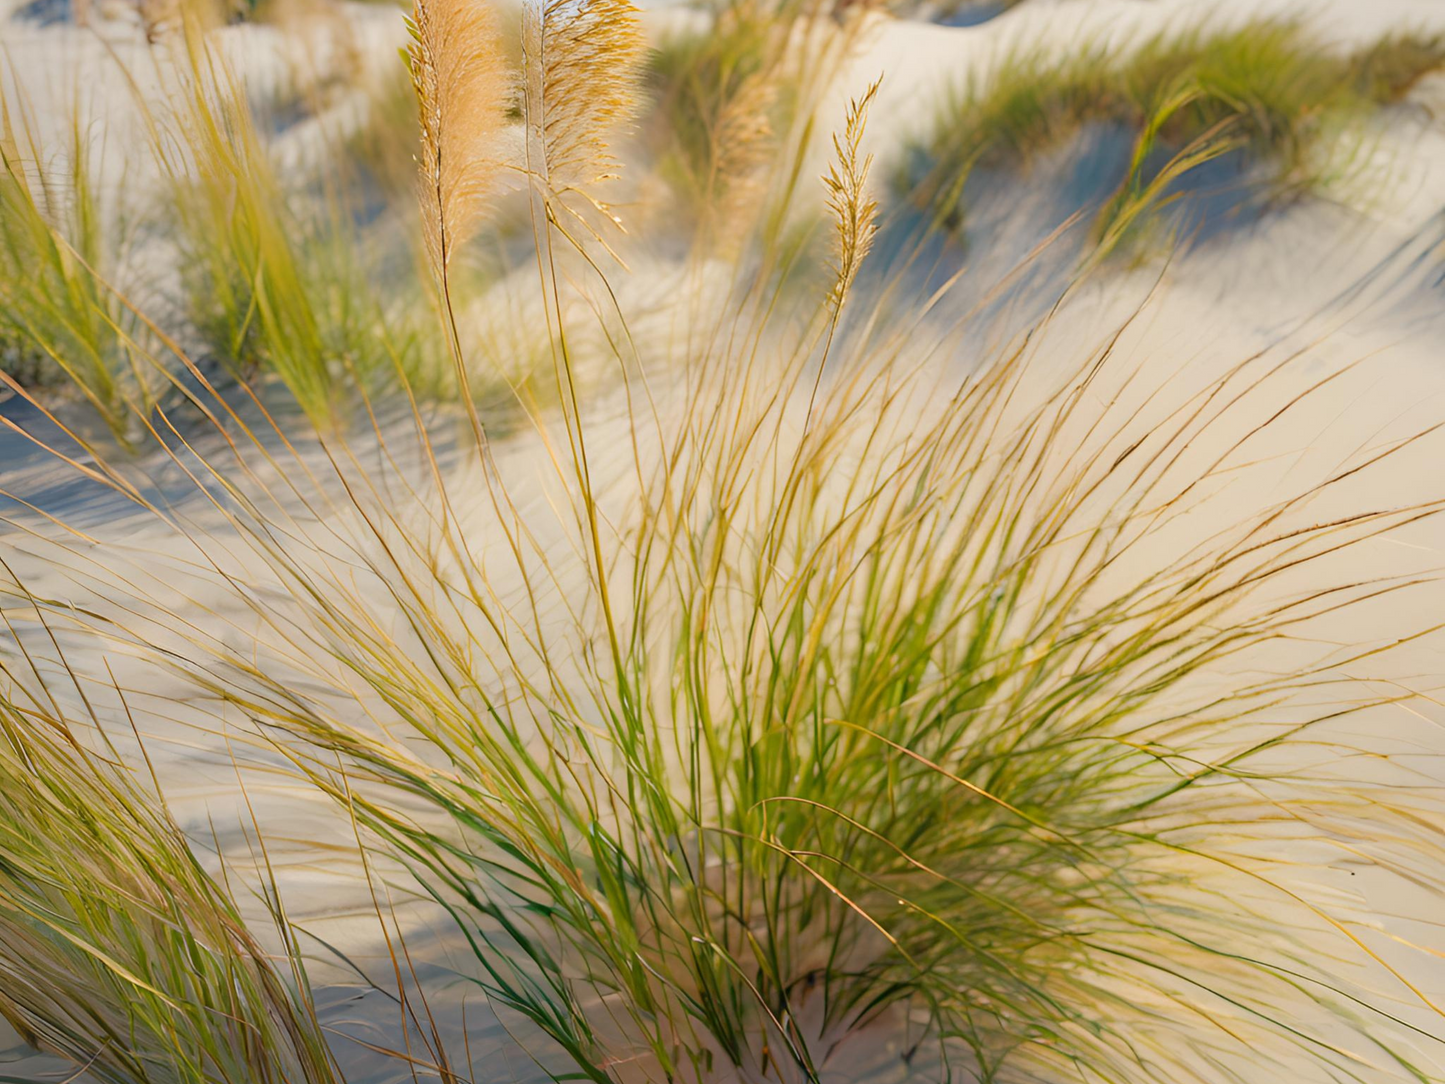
(117, 949)
(1268, 89)
(59, 323)
(804, 710)
(880, 719)
(280, 281)
(832, 675)
(731, 102)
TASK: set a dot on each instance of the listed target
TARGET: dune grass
(59, 324)
(117, 949)
(732, 99)
(825, 679)
(278, 281)
(1268, 89)
(249, 291)
(722, 95)
(803, 751)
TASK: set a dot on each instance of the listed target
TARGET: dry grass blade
(461, 88)
(855, 212)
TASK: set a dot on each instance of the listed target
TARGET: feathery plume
(744, 140)
(855, 213)
(584, 62)
(458, 73)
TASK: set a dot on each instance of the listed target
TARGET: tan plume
(461, 86)
(855, 212)
(744, 141)
(584, 61)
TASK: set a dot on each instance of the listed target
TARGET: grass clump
(784, 757)
(734, 98)
(722, 94)
(117, 950)
(60, 322)
(1268, 89)
(828, 690)
(1389, 69)
(277, 281)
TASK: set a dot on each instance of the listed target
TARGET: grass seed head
(854, 210)
(462, 89)
(583, 67)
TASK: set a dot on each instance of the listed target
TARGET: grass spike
(584, 61)
(854, 210)
(458, 73)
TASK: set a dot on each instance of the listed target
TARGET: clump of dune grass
(828, 678)
(1388, 69)
(1267, 89)
(60, 324)
(723, 92)
(384, 147)
(849, 691)
(733, 99)
(788, 750)
(117, 949)
(278, 282)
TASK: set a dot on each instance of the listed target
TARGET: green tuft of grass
(60, 322)
(734, 100)
(117, 950)
(278, 281)
(1268, 88)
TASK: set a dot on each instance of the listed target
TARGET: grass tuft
(117, 949)
(1268, 88)
(276, 282)
(59, 321)
(723, 93)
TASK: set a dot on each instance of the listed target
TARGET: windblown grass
(276, 283)
(1268, 88)
(59, 322)
(117, 949)
(829, 677)
(808, 747)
